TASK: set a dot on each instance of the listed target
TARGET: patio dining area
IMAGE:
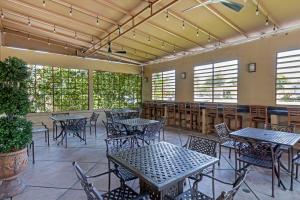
(149, 100)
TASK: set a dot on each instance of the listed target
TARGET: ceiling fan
(228, 3)
(110, 51)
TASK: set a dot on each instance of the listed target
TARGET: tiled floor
(52, 176)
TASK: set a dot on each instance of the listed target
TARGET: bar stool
(145, 110)
(196, 117)
(171, 112)
(294, 116)
(258, 114)
(212, 116)
(152, 110)
(188, 116)
(230, 112)
(180, 120)
(159, 110)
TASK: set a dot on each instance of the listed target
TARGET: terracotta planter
(11, 166)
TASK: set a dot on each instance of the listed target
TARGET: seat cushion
(192, 195)
(124, 193)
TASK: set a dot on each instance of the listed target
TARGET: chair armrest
(102, 174)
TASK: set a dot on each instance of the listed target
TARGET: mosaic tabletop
(136, 122)
(276, 137)
(163, 164)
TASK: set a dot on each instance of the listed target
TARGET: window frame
(162, 85)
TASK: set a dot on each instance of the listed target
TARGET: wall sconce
(183, 75)
(146, 79)
(252, 67)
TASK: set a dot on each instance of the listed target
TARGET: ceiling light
(197, 32)
(28, 38)
(274, 27)
(54, 29)
(49, 42)
(149, 39)
(97, 22)
(257, 10)
(267, 21)
(29, 22)
(133, 35)
(92, 40)
(183, 25)
(167, 16)
(2, 14)
(71, 11)
(44, 3)
(208, 39)
(119, 29)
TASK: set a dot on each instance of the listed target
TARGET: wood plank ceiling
(146, 30)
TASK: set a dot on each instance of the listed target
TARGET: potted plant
(15, 130)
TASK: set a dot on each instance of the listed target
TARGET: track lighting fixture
(197, 32)
(28, 37)
(44, 3)
(183, 25)
(167, 16)
(54, 29)
(208, 39)
(71, 11)
(274, 27)
(2, 14)
(257, 10)
(29, 22)
(133, 35)
(149, 39)
(267, 21)
(97, 21)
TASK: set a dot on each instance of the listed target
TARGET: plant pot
(11, 166)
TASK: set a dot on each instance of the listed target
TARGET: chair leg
(278, 166)
(297, 169)
(289, 160)
(213, 182)
(229, 156)
(48, 137)
(220, 149)
(273, 173)
(33, 156)
(95, 130)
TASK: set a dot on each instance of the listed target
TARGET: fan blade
(232, 5)
(196, 6)
(122, 52)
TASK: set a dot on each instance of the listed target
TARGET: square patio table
(132, 125)
(63, 119)
(276, 137)
(162, 167)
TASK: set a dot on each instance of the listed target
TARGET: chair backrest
(152, 130)
(222, 130)
(114, 145)
(76, 125)
(202, 145)
(282, 128)
(94, 117)
(229, 195)
(111, 130)
(293, 116)
(89, 189)
(258, 111)
(258, 149)
(108, 116)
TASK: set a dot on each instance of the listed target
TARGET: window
(116, 90)
(54, 89)
(163, 86)
(288, 78)
(216, 82)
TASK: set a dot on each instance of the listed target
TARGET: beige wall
(254, 88)
(33, 57)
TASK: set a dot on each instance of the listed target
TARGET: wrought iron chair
(194, 194)
(40, 127)
(204, 146)
(223, 133)
(295, 163)
(56, 124)
(260, 154)
(125, 192)
(150, 133)
(283, 128)
(114, 145)
(108, 116)
(112, 131)
(77, 127)
(92, 122)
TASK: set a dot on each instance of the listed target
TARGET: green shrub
(15, 130)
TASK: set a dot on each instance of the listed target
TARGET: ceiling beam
(118, 57)
(85, 11)
(113, 6)
(198, 28)
(174, 34)
(56, 14)
(223, 18)
(263, 9)
(152, 14)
